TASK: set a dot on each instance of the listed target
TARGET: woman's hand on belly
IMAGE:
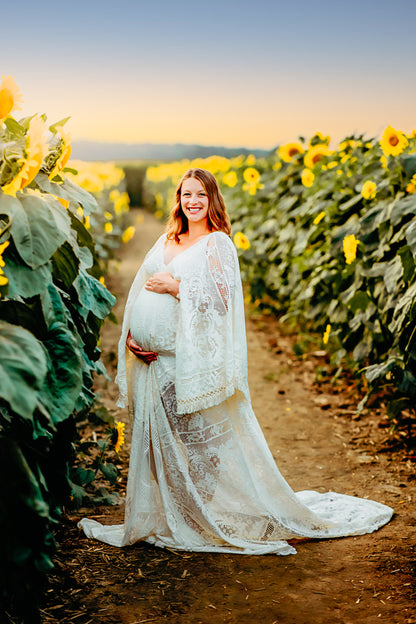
(136, 349)
(162, 283)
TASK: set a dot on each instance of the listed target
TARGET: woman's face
(194, 200)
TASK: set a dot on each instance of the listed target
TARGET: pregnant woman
(201, 476)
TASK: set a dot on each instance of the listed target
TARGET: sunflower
(319, 139)
(36, 149)
(10, 97)
(368, 190)
(118, 436)
(241, 241)
(128, 234)
(65, 152)
(3, 278)
(393, 142)
(315, 154)
(349, 245)
(252, 187)
(251, 175)
(307, 177)
(289, 151)
(2, 248)
(230, 179)
(325, 337)
(319, 217)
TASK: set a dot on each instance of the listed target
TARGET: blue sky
(230, 72)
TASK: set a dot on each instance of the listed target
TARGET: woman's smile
(194, 199)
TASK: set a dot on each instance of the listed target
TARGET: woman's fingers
(137, 350)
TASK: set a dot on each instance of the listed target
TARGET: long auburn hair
(217, 217)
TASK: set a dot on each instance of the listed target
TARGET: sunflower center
(293, 151)
(393, 140)
(316, 158)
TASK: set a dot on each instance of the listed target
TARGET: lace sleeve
(211, 359)
(222, 266)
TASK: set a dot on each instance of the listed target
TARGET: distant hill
(94, 150)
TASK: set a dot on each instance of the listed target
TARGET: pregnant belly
(153, 321)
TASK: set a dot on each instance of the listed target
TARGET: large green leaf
(64, 376)
(53, 307)
(65, 265)
(22, 368)
(93, 296)
(411, 236)
(69, 191)
(24, 281)
(409, 164)
(408, 262)
(401, 207)
(27, 314)
(34, 230)
(393, 273)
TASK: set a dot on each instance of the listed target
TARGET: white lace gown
(201, 475)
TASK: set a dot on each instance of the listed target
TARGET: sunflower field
(327, 238)
(60, 223)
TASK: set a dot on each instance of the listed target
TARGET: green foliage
(295, 262)
(52, 306)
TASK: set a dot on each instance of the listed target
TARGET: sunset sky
(220, 72)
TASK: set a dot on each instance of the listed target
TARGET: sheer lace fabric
(201, 475)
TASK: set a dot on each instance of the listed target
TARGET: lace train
(201, 475)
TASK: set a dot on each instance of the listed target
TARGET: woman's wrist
(174, 289)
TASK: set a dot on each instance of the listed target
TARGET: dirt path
(317, 445)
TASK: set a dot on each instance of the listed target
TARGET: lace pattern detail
(201, 475)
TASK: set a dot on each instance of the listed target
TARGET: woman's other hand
(146, 356)
(163, 282)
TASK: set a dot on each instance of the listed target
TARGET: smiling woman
(201, 475)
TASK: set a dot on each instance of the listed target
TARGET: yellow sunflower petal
(10, 97)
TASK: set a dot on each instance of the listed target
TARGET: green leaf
(409, 164)
(78, 493)
(103, 444)
(401, 207)
(15, 128)
(22, 369)
(63, 381)
(24, 281)
(377, 372)
(93, 296)
(110, 499)
(350, 203)
(82, 476)
(109, 471)
(58, 124)
(393, 273)
(28, 315)
(34, 230)
(363, 348)
(359, 301)
(411, 236)
(408, 262)
(69, 191)
(65, 265)
(53, 307)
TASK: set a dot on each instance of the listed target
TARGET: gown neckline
(181, 252)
